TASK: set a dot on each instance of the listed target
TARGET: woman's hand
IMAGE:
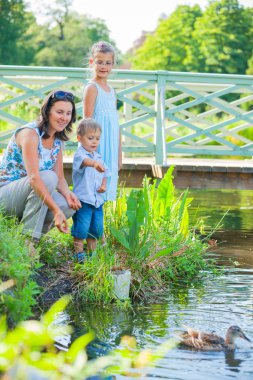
(60, 222)
(73, 201)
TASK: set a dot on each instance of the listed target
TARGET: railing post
(159, 135)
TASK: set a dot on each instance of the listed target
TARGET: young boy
(89, 184)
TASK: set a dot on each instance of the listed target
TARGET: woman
(32, 183)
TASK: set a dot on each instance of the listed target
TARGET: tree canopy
(64, 40)
(215, 40)
(14, 22)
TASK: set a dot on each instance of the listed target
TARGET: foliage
(222, 36)
(153, 240)
(69, 45)
(135, 242)
(64, 40)
(167, 47)
(215, 40)
(28, 351)
(55, 249)
(13, 25)
(93, 279)
(18, 266)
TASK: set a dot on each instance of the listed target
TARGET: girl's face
(102, 64)
(59, 116)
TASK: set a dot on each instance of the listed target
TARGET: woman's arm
(28, 140)
(63, 187)
(89, 100)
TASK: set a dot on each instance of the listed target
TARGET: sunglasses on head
(63, 95)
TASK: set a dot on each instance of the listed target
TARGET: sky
(126, 19)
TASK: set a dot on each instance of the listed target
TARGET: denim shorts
(88, 222)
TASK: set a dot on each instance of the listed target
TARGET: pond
(212, 306)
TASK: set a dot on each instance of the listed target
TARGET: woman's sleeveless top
(105, 113)
(12, 167)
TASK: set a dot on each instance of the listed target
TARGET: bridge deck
(189, 172)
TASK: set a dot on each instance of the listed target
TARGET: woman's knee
(50, 178)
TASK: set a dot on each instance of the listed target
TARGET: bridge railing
(161, 113)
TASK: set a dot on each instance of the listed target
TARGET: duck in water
(200, 340)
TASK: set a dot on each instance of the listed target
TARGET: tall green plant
(134, 236)
(150, 209)
(17, 265)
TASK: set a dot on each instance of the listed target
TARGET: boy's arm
(107, 173)
(94, 164)
(102, 188)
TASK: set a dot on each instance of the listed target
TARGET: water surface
(213, 305)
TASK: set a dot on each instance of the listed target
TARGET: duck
(200, 340)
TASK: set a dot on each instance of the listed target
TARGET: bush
(18, 265)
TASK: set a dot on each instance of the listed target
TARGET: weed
(18, 265)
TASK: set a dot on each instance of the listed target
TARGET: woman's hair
(102, 47)
(52, 98)
(87, 124)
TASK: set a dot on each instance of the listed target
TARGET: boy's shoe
(79, 257)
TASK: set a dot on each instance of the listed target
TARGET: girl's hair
(52, 98)
(102, 47)
(87, 124)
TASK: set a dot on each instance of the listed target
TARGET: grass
(18, 266)
(147, 232)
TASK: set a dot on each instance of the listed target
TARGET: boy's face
(90, 140)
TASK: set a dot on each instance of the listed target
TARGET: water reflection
(211, 305)
(232, 206)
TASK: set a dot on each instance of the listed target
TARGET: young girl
(100, 104)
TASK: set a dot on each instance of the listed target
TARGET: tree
(222, 35)
(12, 27)
(216, 40)
(166, 48)
(59, 14)
(70, 48)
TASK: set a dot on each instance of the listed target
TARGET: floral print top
(12, 167)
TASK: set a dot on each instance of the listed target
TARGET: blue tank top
(12, 167)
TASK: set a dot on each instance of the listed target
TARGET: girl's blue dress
(105, 113)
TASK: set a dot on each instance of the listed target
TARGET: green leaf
(79, 345)
(56, 308)
(120, 236)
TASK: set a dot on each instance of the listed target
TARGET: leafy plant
(28, 351)
(18, 265)
(134, 236)
(93, 277)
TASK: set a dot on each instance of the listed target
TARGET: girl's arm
(63, 187)
(120, 153)
(120, 143)
(28, 140)
(89, 100)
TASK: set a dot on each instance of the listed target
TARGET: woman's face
(59, 116)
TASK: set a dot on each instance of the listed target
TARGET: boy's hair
(102, 47)
(88, 124)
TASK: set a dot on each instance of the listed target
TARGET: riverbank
(148, 234)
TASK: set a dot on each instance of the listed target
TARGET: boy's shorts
(88, 222)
